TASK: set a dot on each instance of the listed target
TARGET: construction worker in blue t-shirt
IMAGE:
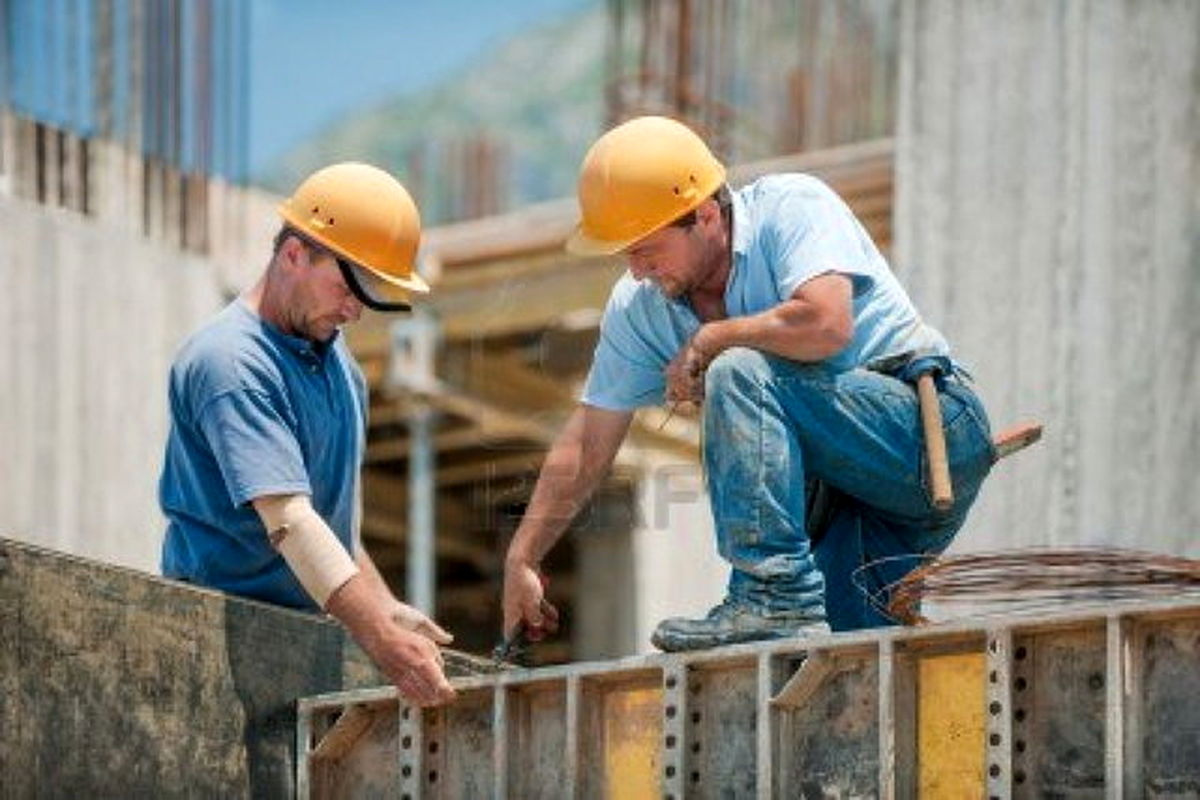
(772, 307)
(268, 422)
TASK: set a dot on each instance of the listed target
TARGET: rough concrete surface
(114, 683)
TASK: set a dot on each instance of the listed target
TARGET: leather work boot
(730, 623)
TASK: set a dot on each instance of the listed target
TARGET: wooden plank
(352, 724)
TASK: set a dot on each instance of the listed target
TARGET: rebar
(1026, 580)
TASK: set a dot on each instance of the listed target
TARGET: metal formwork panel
(828, 746)
(621, 725)
(1101, 703)
(1166, 680)
(721, 726)
(1059, 705)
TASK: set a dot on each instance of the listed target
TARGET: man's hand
(413, 663)
(685, 373)
(576, 463)
(416, 621)
(525, 601)
(402, 649)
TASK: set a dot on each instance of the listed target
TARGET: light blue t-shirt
(256, 412)
(787, 229)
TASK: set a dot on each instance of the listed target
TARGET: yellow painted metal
(632, 736)
(950, 726)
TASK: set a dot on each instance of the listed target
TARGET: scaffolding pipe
(422, 491)
(411, 370)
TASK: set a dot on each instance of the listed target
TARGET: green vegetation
(535, 102)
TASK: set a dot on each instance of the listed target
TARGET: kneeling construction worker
(268, 425)
(771, 306)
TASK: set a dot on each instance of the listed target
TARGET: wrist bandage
(309, 547)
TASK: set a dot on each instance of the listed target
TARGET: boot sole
(683, 642)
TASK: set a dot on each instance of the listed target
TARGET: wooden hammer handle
(935, 442)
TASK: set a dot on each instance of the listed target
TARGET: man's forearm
(816, 322)
(356, 605)
(370, 572)
(574, 467)
(792, 330)
(564, 485)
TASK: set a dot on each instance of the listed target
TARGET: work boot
(732, 622)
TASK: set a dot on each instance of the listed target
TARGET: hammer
(935, 442)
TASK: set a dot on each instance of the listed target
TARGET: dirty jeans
(771, 424)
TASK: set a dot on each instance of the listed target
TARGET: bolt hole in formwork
(994, 770)
(670, 742)
(1020, 745)
(433, 748)
(695, 777)
(696, 717)
(994, 740)
(695, 687)
(995, 708)
(1019, 716)
(670, 771)
(406, 771)
(695, 747)
(433, 776)
(1021, 653)
(1021, 684)
(670, 682)
(670, 712)
(406, 742)
(406, 713)
(1019, 776)
(993, 677)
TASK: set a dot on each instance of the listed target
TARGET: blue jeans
(771, 425)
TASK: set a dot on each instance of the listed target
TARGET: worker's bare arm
(575, 465)
(816, 322)
(328, 573)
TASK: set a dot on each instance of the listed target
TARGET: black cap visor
(373, 291)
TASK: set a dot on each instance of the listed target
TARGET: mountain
(510, 129)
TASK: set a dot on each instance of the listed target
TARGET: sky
(312, 61)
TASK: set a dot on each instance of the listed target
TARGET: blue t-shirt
(787, 229)
(256, 412)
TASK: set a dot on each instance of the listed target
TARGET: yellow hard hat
(639, 177)
(369, 222)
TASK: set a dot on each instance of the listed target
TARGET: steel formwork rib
(1088, 703)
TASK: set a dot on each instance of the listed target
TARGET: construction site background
(1041, 176)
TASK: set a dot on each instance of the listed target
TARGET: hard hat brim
(580, 244)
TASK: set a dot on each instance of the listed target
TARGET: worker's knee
(734, 368)
(741, 368)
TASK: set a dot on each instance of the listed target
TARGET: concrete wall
(117, 684)
(1048, 220)
(93, 315)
